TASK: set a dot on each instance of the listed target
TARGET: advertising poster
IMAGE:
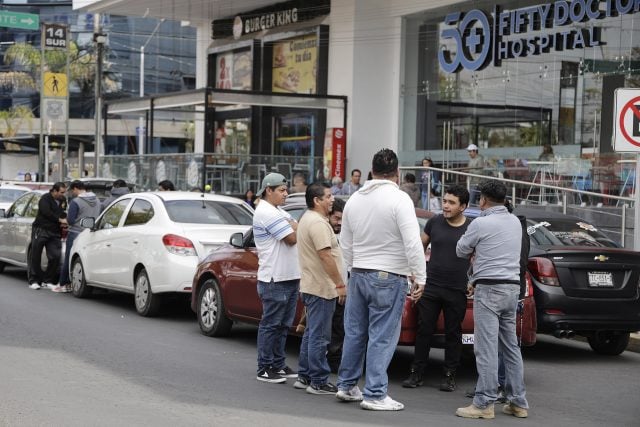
(234, 69)
(295, 65)
(334, 153)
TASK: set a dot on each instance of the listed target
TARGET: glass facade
(553, 82)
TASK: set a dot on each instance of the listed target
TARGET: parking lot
(66, 361)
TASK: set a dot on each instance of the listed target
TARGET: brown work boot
(472, 411)
(514, 410)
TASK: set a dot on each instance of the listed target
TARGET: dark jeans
(313, 349)
(65, 278)
(279, 301)
(334, 351)
(453, 304)
(40, 239)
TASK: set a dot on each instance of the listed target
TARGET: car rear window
(10, 195)
(208, 212)
(567, 232)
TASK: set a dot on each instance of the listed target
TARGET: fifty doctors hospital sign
(480, 39)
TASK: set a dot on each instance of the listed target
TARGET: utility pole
(142, 133)
(99, 39)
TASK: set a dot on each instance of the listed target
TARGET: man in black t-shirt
(445, 289)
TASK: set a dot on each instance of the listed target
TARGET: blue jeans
(65, 278)
(313, 363)
(494, 316)
(373, 313)
(278, 311)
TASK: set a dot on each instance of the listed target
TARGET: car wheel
(211, 317)
(2, 265)
(79, 285)
(147, 303)
(609, 343)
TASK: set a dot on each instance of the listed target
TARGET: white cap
(472, 147)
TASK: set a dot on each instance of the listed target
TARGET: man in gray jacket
(495, 238)
(84, 204)
(118, 189)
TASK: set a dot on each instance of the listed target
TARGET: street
(65, 361)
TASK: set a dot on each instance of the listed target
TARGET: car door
(95, 248)
(8, 249)
(127, 246)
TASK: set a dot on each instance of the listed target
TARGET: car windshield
(10, 195)
(208, 212)
(567, 232)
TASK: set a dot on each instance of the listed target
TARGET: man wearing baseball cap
(274, 232)
(476, 166)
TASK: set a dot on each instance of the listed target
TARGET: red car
(224, 291)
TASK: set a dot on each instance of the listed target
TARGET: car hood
(207, 238)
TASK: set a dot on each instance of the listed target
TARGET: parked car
(149, 244)
(15, 230)
(9, 193)
(584, 283)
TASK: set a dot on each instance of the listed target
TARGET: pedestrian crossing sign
(55, 85)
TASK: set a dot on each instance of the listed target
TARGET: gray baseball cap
(272, 180)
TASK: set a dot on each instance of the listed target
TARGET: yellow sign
(295, 65)
(55, 85)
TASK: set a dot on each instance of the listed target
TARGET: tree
(13, 120)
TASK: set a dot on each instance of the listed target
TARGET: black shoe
(414, 380)
(301, 383)
(327, 388)
(286, 372)
(448, 381)
(501, 397)
(269, 376)
(470, 394)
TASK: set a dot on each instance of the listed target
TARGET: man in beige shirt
(321, 284)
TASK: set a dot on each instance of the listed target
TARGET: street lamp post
(141, 130)
(100, 39)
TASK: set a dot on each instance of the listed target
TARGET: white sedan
(150, 244)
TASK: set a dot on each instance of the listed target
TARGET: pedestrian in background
(496, 240)
(166, 185)
(274, 232)
(380, 244)
(321, 285)
(409, 186)
(118, 188)
(249, 197)
(475, 166)
(445, 290)
(354, 183)
(334, 351)
(46, 232)
(84, 204)
(336, 185)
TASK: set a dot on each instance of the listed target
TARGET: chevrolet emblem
(601, 258)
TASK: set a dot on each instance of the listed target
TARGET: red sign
(335, 153)
(630, 107)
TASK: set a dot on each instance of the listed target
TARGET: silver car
(15, 230)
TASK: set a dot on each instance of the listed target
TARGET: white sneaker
(57, 289)
(34, 285)
(386, 404)
(352, 395)
(49, 285)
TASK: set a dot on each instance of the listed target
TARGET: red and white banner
(335, 153)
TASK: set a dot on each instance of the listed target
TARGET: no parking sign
(626, 135)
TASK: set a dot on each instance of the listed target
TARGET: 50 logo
(472, 41)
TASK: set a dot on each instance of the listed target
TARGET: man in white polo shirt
(274, 232)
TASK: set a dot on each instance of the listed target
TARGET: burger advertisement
(295, 65)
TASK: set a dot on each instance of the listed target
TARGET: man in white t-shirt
(380, 241)
(274, 232)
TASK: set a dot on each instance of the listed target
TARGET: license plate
(467, 338)
(600, 279)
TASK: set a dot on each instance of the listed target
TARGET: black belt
(368, 270)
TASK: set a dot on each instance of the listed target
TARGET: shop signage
(234, 69)
(277, 15)
(480, 39)
(295, 65)
(55, 36)
(626, 135)
(335, 150)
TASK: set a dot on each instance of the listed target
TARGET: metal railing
(606, 214)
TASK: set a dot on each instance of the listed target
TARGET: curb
(634, 342)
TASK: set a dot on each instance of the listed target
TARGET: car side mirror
(3, 213)
(237, 240)
(88, 222)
